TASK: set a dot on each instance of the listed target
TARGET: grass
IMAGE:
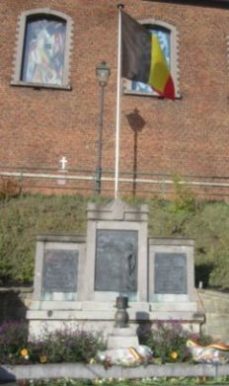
(138, 382)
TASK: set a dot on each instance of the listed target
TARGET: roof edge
(199, 3)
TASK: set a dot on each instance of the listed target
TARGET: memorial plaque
(60, 271)
(170, 273)
(116, 261)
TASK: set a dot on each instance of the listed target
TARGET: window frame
(174, 67)
(20, 44)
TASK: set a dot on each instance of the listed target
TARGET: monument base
(122, 338)
(99, 316)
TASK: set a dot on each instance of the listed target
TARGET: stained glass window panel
(44, 50)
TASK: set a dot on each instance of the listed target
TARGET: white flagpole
(118, 106)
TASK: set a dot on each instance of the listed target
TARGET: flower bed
(62, 346)
(168, 344)
(31, 362)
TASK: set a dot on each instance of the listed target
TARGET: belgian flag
(143, 59)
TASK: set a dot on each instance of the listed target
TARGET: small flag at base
(143, 59)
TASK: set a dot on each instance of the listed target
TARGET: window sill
(39, 86)
(148, 95)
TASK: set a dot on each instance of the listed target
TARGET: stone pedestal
(122, 338)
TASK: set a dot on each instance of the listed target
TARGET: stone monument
(78, 279)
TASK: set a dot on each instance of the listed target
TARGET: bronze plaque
(170, 273)
(116, 260)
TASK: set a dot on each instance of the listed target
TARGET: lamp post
(102, 74)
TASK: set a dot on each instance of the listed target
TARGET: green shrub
(184, 199)
(167, 340)
(207, 225)
(9, 188)
(22, 218)
(66, 345)
(13, 339)
(219, 277)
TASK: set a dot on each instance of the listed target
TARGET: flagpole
(118, 106)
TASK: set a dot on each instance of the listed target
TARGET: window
(167, 36)
(42, 53)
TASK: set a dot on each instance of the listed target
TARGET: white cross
(63, 161)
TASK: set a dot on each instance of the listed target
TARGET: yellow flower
(173, 355)
(24, 353)
(43, 359)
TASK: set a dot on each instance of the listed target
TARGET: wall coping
(85, 371)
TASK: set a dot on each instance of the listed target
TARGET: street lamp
(102, 74)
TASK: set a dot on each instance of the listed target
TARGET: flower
(24, 353)
(43, 359)
(174, 355)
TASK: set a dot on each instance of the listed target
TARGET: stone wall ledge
(84, 371)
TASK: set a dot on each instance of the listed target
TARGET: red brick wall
(188, 136)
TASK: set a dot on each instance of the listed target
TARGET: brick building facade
(42, 122)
